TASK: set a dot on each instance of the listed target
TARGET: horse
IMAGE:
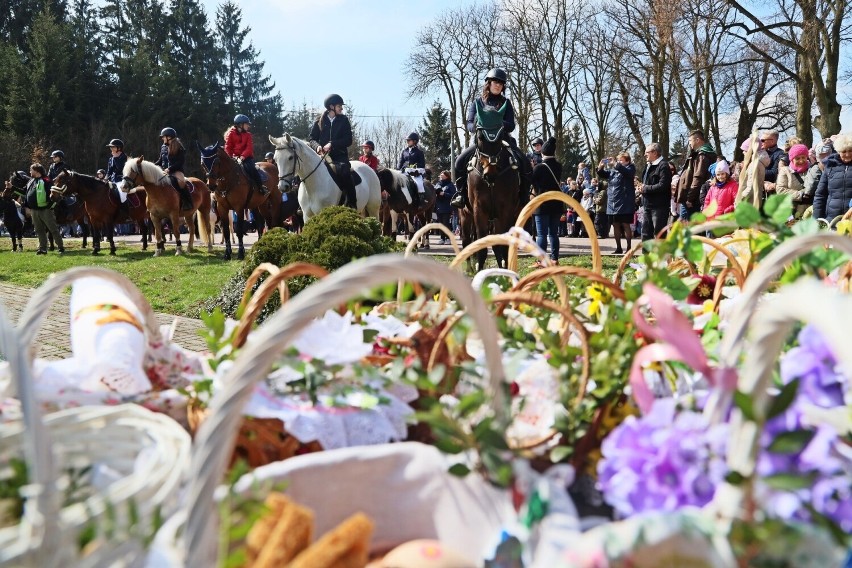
(66, 211)
(399, 188)
(103, 206)
(12, 219)
(318, 189)
(234, 191)
(163, 202)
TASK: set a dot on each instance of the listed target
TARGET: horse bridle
(289, 177)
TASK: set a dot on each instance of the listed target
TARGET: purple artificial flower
(662, 461)
(820, 381)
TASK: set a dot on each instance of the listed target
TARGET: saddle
(263, 175)
(333, 170)
(133, 200)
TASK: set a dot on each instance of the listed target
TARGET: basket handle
(43, 297)
(262, 268)
(541, 274)
(252, 308)
(217, 434)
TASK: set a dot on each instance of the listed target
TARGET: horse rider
(330, 137)
(269, 158)
(101, 174)
(412, 161)
(368, 157)
(58, 166)
(117, 159)
(239, 145)
(172, 159)
(493, 98)
(535, 156)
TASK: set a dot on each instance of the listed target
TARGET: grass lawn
(173, 284)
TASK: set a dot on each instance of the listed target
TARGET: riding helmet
(497, 74)
(102, 171)
(168, 131)
(413, 136)
(56, 153)
(269, 155)
(537, 141)
(369, 144)
(332, 100)
(117, 143)
(241, 119)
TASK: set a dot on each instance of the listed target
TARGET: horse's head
(59, 189)
(489, 145)
(286, 158)
(132, 175)
(212, 164)
(16, 184)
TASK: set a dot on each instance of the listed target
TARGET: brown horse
(493, 184)
(163, 202)
(396, 184)
(235, 191)
(103, 206)
(67, 211)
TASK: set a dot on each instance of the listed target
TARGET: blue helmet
(168, 131)
(241, 119)
(58, 153)
(413, 136)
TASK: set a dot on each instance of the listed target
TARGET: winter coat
(337, 131)
(172, 157)
(723, 197)
(545, 177)
(534, 158)
(793, 184)
(56, 169)
(657, 186)
(412, 157)
(834, 190)
(495, 101)
(621, 193)
(115, 167)
(239, 144)
(444, 193)
(370, 160)
(775, 157)
(695, 172)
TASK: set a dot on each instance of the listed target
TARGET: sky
(356, 48)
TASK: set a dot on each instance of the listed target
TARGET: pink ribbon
(677, 342)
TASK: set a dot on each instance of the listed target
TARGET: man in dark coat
(545, 178)
(776, 154)
(331, 135)
(696, 170)
(656, 192)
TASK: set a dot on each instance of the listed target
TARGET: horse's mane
(90, 182)
(392, 180)
(151, 172)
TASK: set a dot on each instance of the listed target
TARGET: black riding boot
(415, 196)
(261, 188)
(460, 199)
(185, 199)
(351, 197)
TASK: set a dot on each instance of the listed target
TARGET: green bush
(337, 236)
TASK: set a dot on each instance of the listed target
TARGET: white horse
(319, 190)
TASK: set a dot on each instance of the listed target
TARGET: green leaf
(746, 215)
(470, 402)
(778, 208)
(699, 218)
(782, 401)
(449, 446)
(791, 442)
(370, 335)
(561, 453)
(695, 250)
(807, 226)
(734, 478)
(745, 404)
(492, 439)
(459, 470)
(788, 481)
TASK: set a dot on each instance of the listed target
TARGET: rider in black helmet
(413, 162)
(58, 166)
(493, 97)
(172, 158)
(535, 156)
(269, 158)
(117, 159)
(331, 135)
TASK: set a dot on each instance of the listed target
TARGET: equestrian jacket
(172, 159)
(412, 158)
(495, 102)
(115, 167)
(370, 160)
(56, 169)
(657, 185)
(337, 131)
(834, 190)
(239, 144)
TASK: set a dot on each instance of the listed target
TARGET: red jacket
(370, 160)
(723, 196)
(238, 144)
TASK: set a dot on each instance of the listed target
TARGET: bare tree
(388, 133)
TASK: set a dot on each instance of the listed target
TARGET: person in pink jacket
(722, 193)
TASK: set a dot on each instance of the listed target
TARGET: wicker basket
(218, 432)
(130, 464)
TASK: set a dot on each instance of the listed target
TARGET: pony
(234, 191)
(494, 181)
(13, 218)
(318, 189)
(163, 202)
(103, 206)
(67, 211)
(399, 188)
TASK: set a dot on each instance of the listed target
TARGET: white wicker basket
(129, 461)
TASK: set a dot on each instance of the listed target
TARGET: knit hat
(549, 148)
(712, 169)
(722, 167)
(798, 150)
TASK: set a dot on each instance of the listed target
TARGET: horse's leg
(241, 231)
(110, 238)
(96, 240)
(175, 222)
(190, 229)
(143, 228)
(260, 223)
(159, 236)
(227, 228)
(501, 253)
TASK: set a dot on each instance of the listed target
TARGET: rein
(296, 160)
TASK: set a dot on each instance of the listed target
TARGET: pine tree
(435, 137)
(298, 121)
(573, 150)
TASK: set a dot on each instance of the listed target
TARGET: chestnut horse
(67, 211)
(103, 206)
(163, 202)
(493, 189)
(234, 191)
